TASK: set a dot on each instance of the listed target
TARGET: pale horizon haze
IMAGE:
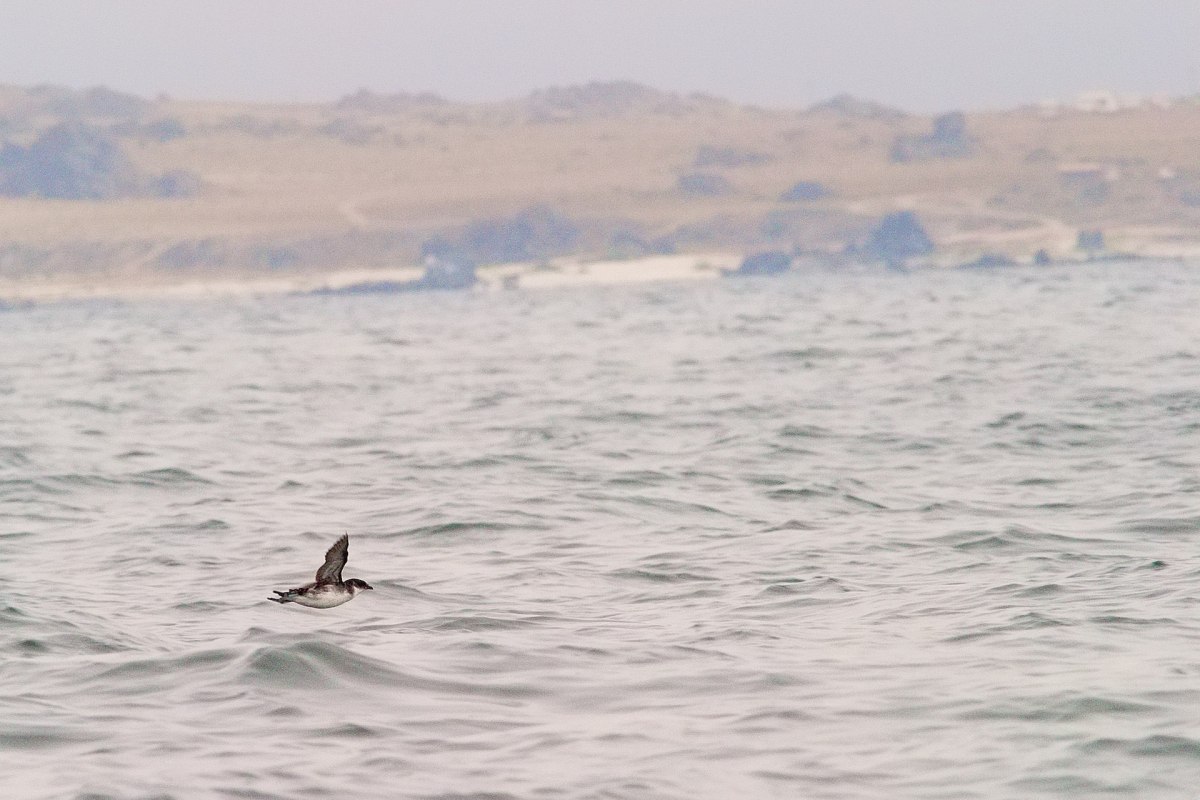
(921, 55)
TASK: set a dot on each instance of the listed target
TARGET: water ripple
(841, 535)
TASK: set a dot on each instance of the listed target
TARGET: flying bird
(328, 590)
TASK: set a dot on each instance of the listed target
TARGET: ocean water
(933, 535)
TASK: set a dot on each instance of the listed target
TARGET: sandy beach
(558, 273)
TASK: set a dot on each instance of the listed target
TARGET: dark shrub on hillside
(950, 129)
(704, 184)
(275, 257)
(349, 131)
(1090, 240)
(196, 254)
(1090, 184)
(11, 157)
(532, 234)
(71, 161)
(371, 103)
(599, 100)
(898, 237)
(177, 183)
(1182, 185)
(165, 129)
(261, 127)
(771, 262)
(806, 191)
(11, 124)
(439, 247)
(76, 161)
(99, 101)
(948, 139)
(160, 130)
(849, 106)
(708, 156)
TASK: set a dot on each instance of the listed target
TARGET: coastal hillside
(102, 186)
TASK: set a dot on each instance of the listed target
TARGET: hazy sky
(923, 55)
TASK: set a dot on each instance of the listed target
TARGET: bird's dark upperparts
(328, 590)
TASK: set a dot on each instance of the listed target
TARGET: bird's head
(356, 585)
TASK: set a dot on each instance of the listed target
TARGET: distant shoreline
(563, 273)
(557, 273)
(208, 197)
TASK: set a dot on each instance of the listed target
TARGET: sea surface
(872, 535)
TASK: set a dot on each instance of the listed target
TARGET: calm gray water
(870, 536)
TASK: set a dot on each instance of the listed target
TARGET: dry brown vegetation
(364, 182)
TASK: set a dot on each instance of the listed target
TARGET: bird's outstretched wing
(335, 559)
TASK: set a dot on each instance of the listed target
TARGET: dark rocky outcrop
(898, 237)
(770, 262)
(989, 261)
(440, 275)
(704, 184)
(447, 274)
(806, 191)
